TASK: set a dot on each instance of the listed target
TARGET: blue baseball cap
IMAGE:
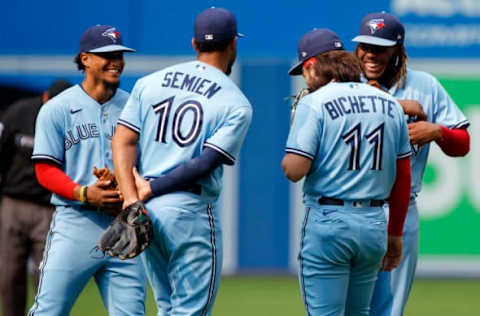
(215, 24)
(381, 29)
(313, 43)
(102, 39)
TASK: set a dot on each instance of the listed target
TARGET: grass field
(279, 296)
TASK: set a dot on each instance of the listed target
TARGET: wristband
(84, 191)
(80, 194)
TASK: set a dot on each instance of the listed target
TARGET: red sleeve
(399, 197)
(455, 142)
(52, 178)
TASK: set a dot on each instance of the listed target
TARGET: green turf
(444, 297)
(266, 296)
(279, 296)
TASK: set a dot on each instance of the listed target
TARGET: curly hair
(399, 68)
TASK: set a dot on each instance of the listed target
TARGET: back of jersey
(354, 134)
(181, 109)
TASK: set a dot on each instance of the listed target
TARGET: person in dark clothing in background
(26, 211)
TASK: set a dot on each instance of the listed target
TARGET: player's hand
(100, 195)
(394, 253)
(414, 109)
(423, 132)
(143, 186)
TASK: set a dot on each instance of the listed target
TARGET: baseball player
(350, 142)
(26, 210)
(184, 122)
(383, 58)
(72, 136)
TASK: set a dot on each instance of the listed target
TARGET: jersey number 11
(375, 138)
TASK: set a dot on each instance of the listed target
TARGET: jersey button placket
(104, 142)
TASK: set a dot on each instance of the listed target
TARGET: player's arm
(182, 177)
(302, 141)
(124, 149)
(51, 177)
(295, 166)
(454, 142)
(220, 148)
(398, 205)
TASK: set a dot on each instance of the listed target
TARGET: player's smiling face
(105, 67)
(374, 59)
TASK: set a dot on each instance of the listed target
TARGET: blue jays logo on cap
(112, 33)
(102, 39)
(381, 29)
(376, 24)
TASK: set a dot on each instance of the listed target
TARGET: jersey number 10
(181, 139)
(375, 138)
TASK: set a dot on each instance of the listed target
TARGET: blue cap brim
(111, 48)
(296, 69)
(372, 40)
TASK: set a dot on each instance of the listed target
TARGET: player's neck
(388, 78)
(98, 90)
(215, 59)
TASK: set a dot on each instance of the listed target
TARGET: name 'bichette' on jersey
(177, 111)
(68, 132)
(352, 139)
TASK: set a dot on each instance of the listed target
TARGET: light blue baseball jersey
(181, 109)
(353, 133)
(69, 130)
(438, 106)
(392, 288)
(74, 131)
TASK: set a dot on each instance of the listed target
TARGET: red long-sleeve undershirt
(455, 142)
(399, 197)
(52, 178)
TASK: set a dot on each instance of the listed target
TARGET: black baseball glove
(129, 234)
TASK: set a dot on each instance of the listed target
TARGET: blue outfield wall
(435, 28)
(264, 191)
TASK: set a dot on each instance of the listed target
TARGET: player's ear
(45, 96)
(85, 59)
(231, 48)
(194, 45)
